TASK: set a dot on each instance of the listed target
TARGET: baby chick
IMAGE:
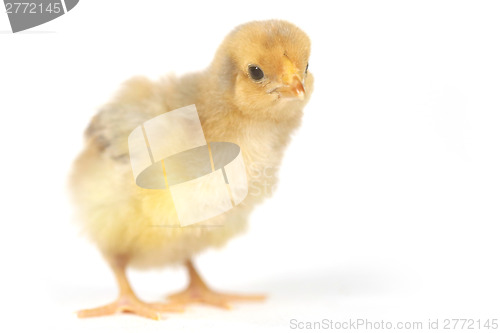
(252, 94)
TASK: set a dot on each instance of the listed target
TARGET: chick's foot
(199, 292)
(127, 300)
(131, 304)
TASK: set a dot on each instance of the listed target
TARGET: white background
(388, 206)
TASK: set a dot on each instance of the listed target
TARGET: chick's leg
(198, 292)
(127, 300)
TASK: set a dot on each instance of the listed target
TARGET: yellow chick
(252, 94)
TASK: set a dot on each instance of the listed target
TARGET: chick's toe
(198, 292)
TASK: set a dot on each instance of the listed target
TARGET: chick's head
(263, 66)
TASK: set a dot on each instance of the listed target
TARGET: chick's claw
(131, 304)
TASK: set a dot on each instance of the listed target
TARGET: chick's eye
(307, 67)
(255, 72)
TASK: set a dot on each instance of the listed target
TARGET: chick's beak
(294, 86)
(297, 87)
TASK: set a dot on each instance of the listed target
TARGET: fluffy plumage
(131, 223)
